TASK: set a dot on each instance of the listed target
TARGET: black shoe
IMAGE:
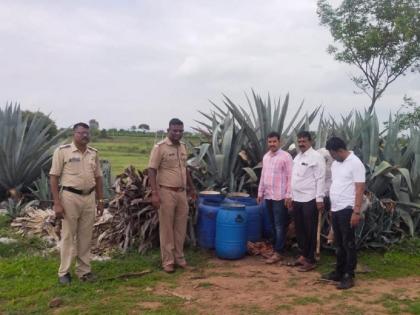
(332, 276)
(66, 279)
(88, 277)
(346, 282)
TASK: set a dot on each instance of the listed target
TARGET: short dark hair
(80, 124)
(175, 122)
(304, 134)
(273, 134)
(335, 144)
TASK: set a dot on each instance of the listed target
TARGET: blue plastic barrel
(254, 213)
(210, 195)
(206, 223)
(231, 238)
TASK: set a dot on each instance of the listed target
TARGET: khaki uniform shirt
(170, 161)
(76, 169)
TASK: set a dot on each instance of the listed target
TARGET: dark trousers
(345, 242)
(306, 222)
(279, 217)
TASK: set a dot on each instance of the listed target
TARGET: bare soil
(249, 286)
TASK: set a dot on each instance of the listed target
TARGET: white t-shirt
(344, 176)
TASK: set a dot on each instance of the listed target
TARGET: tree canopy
(380, 37)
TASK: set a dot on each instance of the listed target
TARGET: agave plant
(259, 120)
(393, 175)
(25, 148)
(237, 140)
(41, 190)
(16, 208)
(221, 164)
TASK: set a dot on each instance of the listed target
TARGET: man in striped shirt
(275, 189)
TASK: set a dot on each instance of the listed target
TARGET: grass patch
(397, 304)
(305, 300)
(205, 285)
(123, 151)
(28, 283)
(401, 260)
(351, 310)
(283, 307)
(250, 309)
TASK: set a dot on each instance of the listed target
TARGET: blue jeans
(279, 217)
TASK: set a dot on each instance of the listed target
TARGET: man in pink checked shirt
(275, 189)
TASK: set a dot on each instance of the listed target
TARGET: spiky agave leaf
(24, 147)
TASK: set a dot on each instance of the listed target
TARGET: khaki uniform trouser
(76, 232)
(173, 218)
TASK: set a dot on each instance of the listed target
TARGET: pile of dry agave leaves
(129, 221)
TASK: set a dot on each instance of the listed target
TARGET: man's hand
(155, 200)
(100, 208)
(320, 206)
(259, 200)
(288, 203)
(192, 194)
(355, 219)
(59, 210)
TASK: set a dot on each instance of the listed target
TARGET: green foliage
(17, 208)
(121, 151)
(28, 282)
(41, 189)
(381, 38)
(236, 140)
(144, 127)
(408, 114)
(393, 176)
(25, 147)
(52, 131)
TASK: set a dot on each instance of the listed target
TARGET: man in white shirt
(308, 181)
(346, 194)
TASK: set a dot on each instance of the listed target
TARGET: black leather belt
(78, 191)
(176, 189)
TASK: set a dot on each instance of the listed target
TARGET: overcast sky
(130, 62)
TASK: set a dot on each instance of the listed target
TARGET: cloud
(129, 62)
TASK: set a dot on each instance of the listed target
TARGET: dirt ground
(249, 286)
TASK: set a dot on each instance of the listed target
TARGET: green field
(123, 151)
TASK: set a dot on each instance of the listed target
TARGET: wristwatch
(100, 201)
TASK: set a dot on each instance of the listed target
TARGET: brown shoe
(276, 257)
(168, 268)
(306, 267)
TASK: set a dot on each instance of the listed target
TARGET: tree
(103, 134)
(144, 127)
(380, 37)
(94, 127)
(408, 115)
(133, 128)
(47, 121)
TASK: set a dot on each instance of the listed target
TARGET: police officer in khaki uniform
(76, 166)
(170, 182)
